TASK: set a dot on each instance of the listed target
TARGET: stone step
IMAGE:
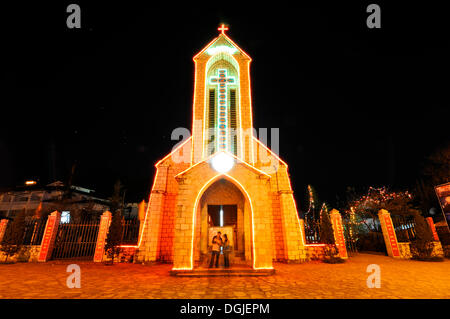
(216, 272)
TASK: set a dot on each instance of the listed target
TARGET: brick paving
(399, 279)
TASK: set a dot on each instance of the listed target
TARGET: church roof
(238, 162)
(222, 43)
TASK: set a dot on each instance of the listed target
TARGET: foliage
(114, 237)
(13, 238)
(326, 230)
(436, 169)
(117, 197)
(331, 252)
(312, 214)
(422, 247)
(434, 172)
(366, 207)
(315, 205)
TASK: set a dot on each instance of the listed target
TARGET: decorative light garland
(382, 196)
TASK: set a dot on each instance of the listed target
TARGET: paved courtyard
(399, 279)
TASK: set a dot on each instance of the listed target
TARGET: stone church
(222, 178)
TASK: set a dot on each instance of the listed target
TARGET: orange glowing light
(193, 111)
(222, 34)
(237, 67)
(176, 149)
(28, 183)
(197, 199)
(238, 160)
(148, 207)
(270, 151)
(223, 28)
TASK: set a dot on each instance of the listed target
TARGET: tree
(422, 246)
(117, 198)
(362, 210)
(366, 207)
(331, 251)
(434, 172)
(326, 230)
(13, 238)
(114, 237)
(436, 168)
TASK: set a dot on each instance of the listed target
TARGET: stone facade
(315, 252)
(28, 253)
(405, 250)
(175, 226)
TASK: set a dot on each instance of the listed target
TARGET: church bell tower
(222, 110)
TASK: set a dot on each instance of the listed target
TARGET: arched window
(222, 89)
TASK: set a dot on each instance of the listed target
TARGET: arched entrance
(224, 207)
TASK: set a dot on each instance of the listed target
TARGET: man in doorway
(216, 244)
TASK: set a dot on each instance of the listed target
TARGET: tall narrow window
(233, 122)
(211, 121)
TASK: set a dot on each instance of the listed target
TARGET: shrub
(331, 252)
(422, 246)
(114, 237)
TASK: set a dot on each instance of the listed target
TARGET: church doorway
(223, 208)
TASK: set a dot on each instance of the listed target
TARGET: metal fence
(34, 230)
(76, 241)
(130, 231)
(312, 230)
(405, 227)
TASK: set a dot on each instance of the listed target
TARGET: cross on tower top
(223, 28)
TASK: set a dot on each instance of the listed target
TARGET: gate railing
(312, 231)
(130, 231)
(405, 227)
(76, 240)
(34, 230)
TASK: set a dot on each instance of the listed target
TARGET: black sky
(355, 106)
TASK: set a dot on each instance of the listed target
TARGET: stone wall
(405, 250)
(27, 253)
(437, 250)
(314, 253)
(446, 250)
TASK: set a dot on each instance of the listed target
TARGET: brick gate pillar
(432, 227)
(3, 225)
(105, 221)
(48, 240)
(336, 221)
(390, 239)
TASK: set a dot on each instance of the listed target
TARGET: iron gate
(76, 241)
(372, 239)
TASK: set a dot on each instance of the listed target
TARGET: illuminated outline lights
(222, 110)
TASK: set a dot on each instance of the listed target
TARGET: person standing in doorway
(226, 251)
(215, 251)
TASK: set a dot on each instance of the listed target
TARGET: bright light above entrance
(222, 162)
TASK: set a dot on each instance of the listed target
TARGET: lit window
(65, 217)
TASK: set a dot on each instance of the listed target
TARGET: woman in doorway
(226, 251)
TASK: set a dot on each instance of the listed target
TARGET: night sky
(355, 106)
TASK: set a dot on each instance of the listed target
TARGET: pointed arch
(200, 193)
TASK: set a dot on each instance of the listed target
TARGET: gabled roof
(222, 41)
(238, 161)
